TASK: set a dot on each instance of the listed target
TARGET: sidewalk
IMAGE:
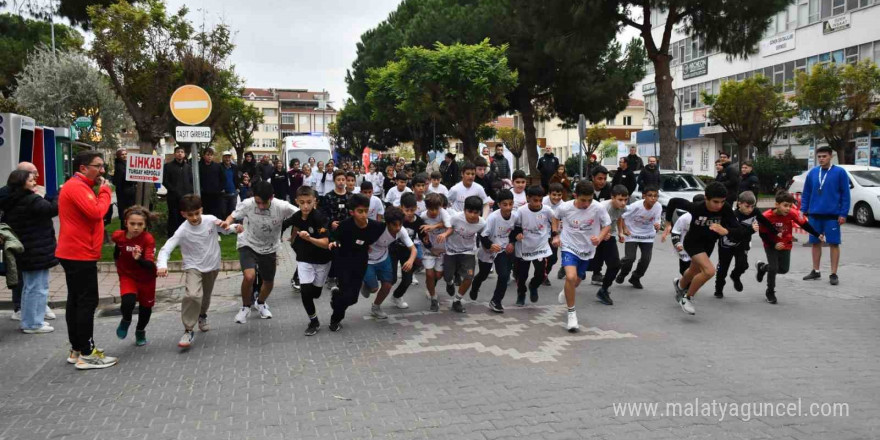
(108, 287)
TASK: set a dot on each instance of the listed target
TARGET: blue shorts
(418, 250)
(379, 272)
(829, 227)
(570, 259)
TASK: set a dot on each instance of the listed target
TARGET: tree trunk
(742, 151)
(666, 112)
(527, 111)
(470, 144)
(144, 192)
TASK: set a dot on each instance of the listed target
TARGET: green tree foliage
(840, 101)
(20, 36)
(751, 111)
(595, 136)
(56, 89)
(240, 124)
(566, 64)
(777, 171)
(462, 84)
(733, 27)
(514, 139)
(148, 53)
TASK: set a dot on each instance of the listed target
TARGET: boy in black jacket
(412, 224)
(729, 249)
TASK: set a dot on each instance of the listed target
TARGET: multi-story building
(807, 33)
(286, 112)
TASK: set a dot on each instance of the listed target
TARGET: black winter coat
(125, 190)
(626, 178)
(649, 176)
(177, 178)
(547, 165)
(749, 182)
(30, 217)
(211, 178)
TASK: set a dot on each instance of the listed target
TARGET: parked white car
(864, 188)
(674, 184)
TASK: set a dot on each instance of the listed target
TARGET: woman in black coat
(30, 217)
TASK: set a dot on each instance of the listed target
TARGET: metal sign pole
(194, 149)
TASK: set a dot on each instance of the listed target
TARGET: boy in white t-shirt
(467, 188)
(436, 186)
(607, 252)
(461, 248)
(438, 226)
(519, 189)
(496, 248)
(585, 225)
(394, 193)
(377, 208)
(418, 188)
(553, 201)
(641, 221)
(379, 266)
(535, 224)
(679, 231)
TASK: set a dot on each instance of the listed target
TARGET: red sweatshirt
(81, 215)
(784, 225)
(126, 265)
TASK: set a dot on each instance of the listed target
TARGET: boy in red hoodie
(783, 217)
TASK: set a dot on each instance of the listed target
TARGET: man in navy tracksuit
(826, 201)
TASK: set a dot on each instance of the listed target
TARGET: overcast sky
(296, 43)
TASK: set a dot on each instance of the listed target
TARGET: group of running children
(354, 240)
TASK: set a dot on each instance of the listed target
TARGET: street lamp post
(679, 128)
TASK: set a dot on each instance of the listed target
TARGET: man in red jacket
(82, 204)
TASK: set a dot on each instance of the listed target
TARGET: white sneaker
(16, 316)
(242, 315)
(687, 306)
(415, 282)
(679, 292)
(72, 356)
(377, 312)
(49, 313)
(561, 297)
(187, 339)
(264, 311)
(572, 325)
(399, 303)
(45, 328)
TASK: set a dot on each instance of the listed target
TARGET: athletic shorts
(827, 226)
(698, 248)
(144, 289)
(433, 262)
(311, 273)
(570, 259)
(382, 271)
(250, 259)
(461, 264)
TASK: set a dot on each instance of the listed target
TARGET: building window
(270, 112)
(304, 125)
(627, 120)
(852, 55)
(288, 118)
(609, 121)
(286, 133)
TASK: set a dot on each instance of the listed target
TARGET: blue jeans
(34, 296)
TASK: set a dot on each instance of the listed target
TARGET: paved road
(477, 376)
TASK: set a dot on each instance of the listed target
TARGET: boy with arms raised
(461, 247)
(310, 242)
(709, 220)
(496, 248)
(381, 269)
(642, 221)
(584, 225)
(536, 224)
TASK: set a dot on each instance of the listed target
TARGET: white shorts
(432, 262)
(315, 274)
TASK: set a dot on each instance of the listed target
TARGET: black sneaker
(435, 305)
(533, 295)
(495, 307)
(719, 294)
(771, 297)
(474, 293)
(604, 297)
(450, 289)
(597, 279)
(521, 299)
(762, 270)
(335, 326)
(737, 283)
(813, 275)
(833, 279)
(619, 279)
(313, 328)
(457, 307)
(561, 274)
(636, 283)
(546, 282)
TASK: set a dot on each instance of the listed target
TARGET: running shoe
(687, 306)
(597, 279)
(313, 327)
(834, 279)
(572, 324)
(604, 297)
(496, 307)
(203, 324)
(140, 338)
(679, 292)
(457, 307)
(187, 339)
(49, 313)
(737, 283)
(45, 328)
(96, 360)
(636, 283)
(122, 329)
(399, 303)
(376, 311)
(813, 275)
(561, 297)
(761, 271)
(242, 315)
(264, 311)
(335, 326)
(435, 305)
(533, 295)
(771, 296)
